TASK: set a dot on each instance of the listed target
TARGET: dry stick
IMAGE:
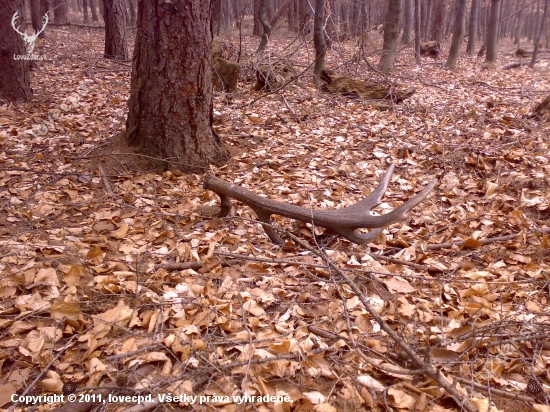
(278, 88)
(105, 180)
(504, 394)
(459, 398)
(43, 372)
(437, 246)
(179, 265)
(404, 262)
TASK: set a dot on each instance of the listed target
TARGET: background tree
(319, 38)
(408, 17)
(171, 103)
(60, 11)
(116, 40)
(391, 35)
(15, 82)
(472, 27)
(540, 32)
(458, 33)
(417, 29)
(266, 27)
(36, 17)
(492, 32)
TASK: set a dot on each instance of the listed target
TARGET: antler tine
(374, 198)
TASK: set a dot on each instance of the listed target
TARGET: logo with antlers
(29, 40)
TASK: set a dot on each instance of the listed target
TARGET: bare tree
(458, 33)
(15, 81)
(407, 36)
(319, 38)
(262, 16)
(116, 40)
(472, 27)
(61, 12)
(171, 102)
(539, 34)
(391, 35)
(492, 32)
(417, 28)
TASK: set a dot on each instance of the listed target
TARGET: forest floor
(88, 297)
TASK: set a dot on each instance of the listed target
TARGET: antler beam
(345, 221)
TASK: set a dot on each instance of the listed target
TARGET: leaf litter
(98, 286)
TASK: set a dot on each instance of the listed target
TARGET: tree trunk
(256, 30)
(391, 36)
(438, 21)
(93, 7)
(538, 36)
(417, 25)
(279, 13)
(319, 38)
(262, 15)
(492, 32)
(116, 40)
(171, 98)
(458, 33)
(472, 27)
(61, 12)
(36, 17)
(132, 13)
(15, 81)
(407, 37)
(85, 4)
(517, 29)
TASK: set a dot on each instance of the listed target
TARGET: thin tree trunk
(458, 33)
(472, 27)
(36, 17)
(492, 32)
(279, 13)
(15, 83)
(132, 13)
(116, 39)
(93, 7)
(61, 12)
(319, 38)
(262, 15)
(538, 37)
(85, 4)
(171, 92)
(407, 37)
(391, 36)
(417, 25)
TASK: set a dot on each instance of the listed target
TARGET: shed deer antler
(345, 221)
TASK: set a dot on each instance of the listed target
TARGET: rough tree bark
(458, 33)
(408, 13)
(472, 27)
(116, 39)
(391, 36)
(15, 82)
(61, 12)
(319, 38)
(171, 102)
(492, 32)
(538, 36)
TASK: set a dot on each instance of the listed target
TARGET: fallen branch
(435, 374)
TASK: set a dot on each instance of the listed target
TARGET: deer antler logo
(29, 40)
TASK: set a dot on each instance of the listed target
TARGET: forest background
(118, 278)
